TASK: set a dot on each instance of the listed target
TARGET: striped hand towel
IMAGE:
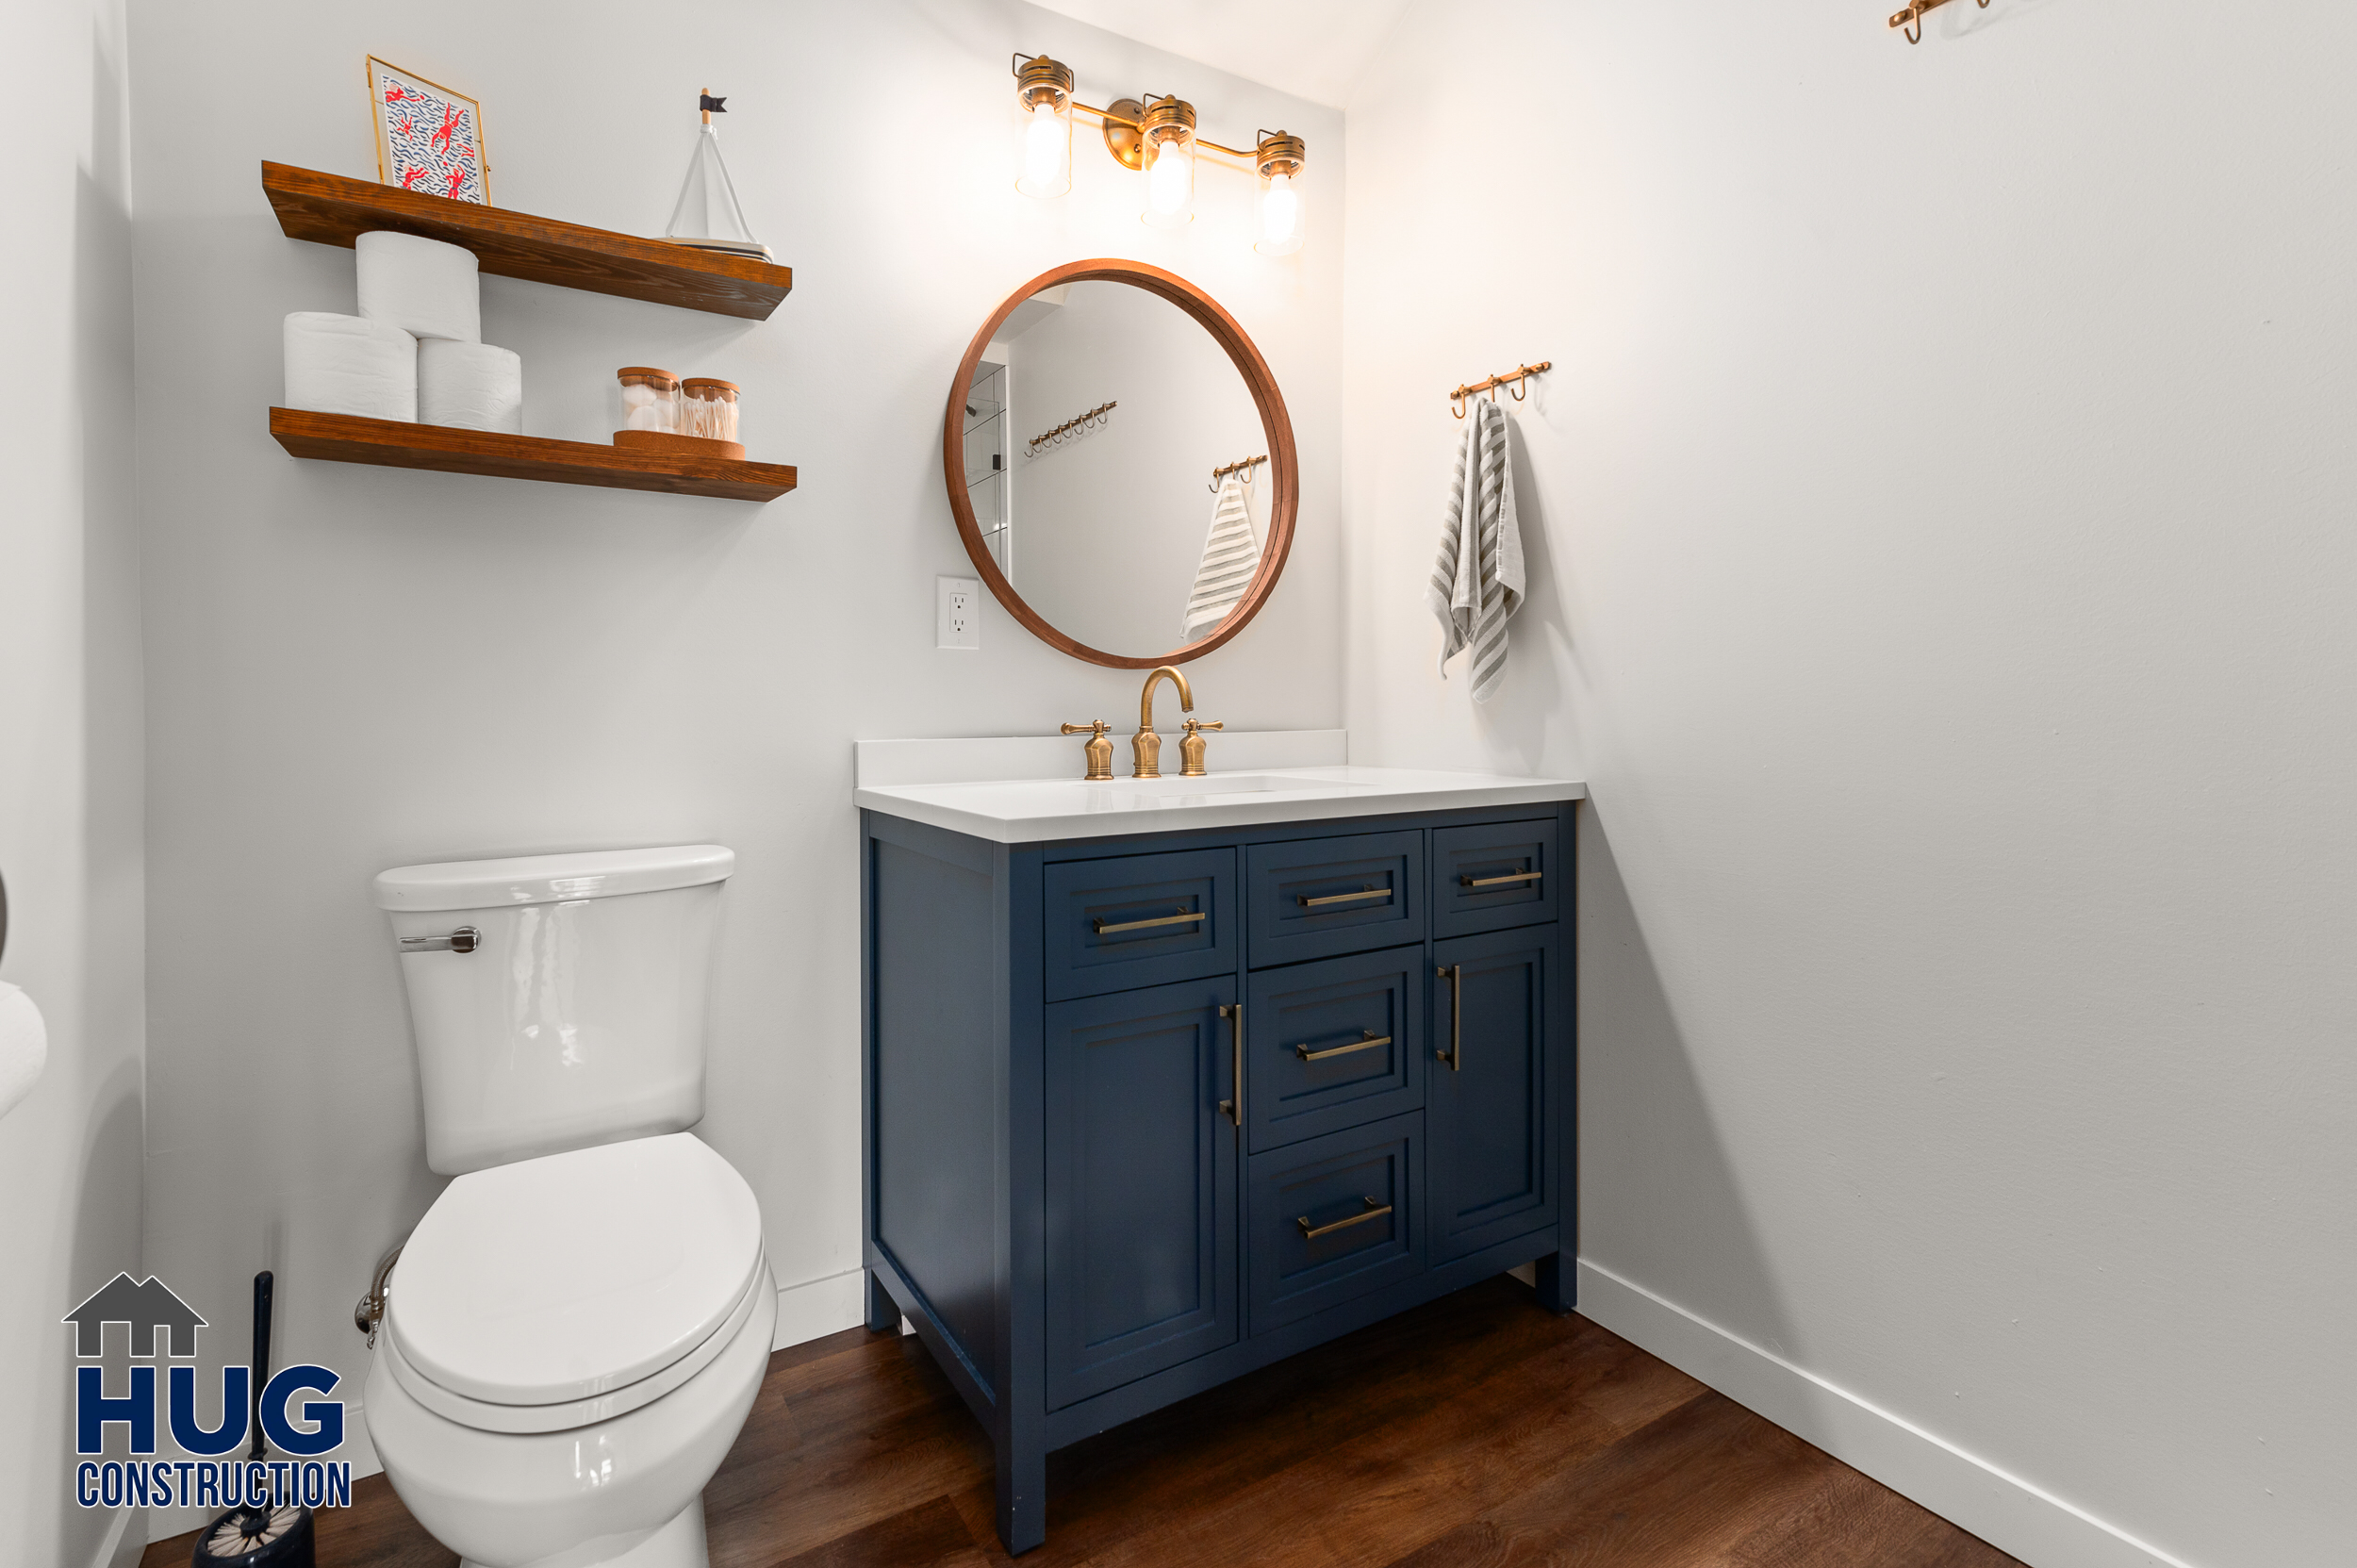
(1478, 581)
(1231, 557)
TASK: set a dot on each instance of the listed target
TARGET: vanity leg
(1558, 1276)
(883, 1313)
(1022, 1496)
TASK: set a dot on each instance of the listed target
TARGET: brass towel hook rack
(1911, 19)
(1245, 468)
(1459, 399)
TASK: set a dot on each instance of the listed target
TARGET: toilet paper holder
(466, 939)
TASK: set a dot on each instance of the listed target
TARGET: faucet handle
(1099, 749)
(1192, 746)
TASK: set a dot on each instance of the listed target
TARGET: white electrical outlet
(958, 612)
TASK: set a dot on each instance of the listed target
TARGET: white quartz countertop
(1030, 810)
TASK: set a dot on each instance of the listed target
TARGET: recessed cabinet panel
(1317, 897)
(1333, 1218)
(1491, 1142)
(1493, 876)
(1334, 1043)
(1141, 1184)
(1132, 920)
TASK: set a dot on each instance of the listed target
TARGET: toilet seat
(567, 1289)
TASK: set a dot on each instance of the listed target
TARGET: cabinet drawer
(1334, 1043)
(1493, 876)
(1333, 1218)
(1317, 897)
(1132, 920)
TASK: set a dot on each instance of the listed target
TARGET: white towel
(1478, 581)
(1231, 558)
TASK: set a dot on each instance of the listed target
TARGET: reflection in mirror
(1097, 421)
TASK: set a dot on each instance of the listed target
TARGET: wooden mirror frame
(1284, 502)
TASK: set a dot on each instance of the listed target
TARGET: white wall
(68, 739)
(1940, 522)
(354, 667)
(1113, 522)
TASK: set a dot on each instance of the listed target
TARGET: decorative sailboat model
(708, 215)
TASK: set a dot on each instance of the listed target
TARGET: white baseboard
(816, 1308)
(2002, 1510)
(124, 1541)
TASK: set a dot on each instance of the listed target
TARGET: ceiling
(1314, 49)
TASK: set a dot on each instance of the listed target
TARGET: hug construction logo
(163, 1330)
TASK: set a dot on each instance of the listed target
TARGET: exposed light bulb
(1047, 154)
(1280, 216)
(1170, 185)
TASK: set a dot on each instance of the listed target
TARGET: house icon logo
(144, 1306)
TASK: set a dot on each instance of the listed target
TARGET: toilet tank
(577, 1017)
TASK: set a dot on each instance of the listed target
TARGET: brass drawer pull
(1309, 1234)
(1344, 898)
(1235, 1106)
(1455, 1055)
(1104, 929)
(1372, 1041)
(1499, 881)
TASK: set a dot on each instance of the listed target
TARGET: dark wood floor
(1477, 1432)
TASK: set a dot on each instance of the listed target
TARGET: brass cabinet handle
(1374, 1211)
(1307, 902)
(1372, 1041)
(1499, 881)
(1455, 1055)
(1234, 1108)
(1180, 919)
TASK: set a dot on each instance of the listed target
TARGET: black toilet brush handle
(260, 1363)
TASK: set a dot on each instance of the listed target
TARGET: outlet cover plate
(958, 612)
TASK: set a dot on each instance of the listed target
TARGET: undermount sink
(1212, 784)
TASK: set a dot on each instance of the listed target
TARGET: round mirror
(1120, 465)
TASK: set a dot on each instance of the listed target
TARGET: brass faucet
(1146, 746)
(1099, 749)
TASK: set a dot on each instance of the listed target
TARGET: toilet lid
(574, 1274)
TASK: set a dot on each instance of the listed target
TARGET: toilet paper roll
(23, 1046)
(473, 386)
(423, 286)
(345, 365)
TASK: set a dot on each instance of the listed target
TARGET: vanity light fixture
(1044, 89)
(1156, 136)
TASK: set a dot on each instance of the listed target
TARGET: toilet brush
(257, 1535)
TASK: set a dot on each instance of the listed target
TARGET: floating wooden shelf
(332, 210)
(394, 444)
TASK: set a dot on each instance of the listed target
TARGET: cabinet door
(1141, 1189)
(1490, 1161)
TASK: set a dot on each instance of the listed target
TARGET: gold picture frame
(428, 138)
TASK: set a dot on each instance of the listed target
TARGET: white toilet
(574, 1332)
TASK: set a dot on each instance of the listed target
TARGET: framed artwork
(428, 138)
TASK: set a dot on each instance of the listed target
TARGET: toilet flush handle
(466, 939)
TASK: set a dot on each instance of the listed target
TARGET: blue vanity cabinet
(1143, 1114)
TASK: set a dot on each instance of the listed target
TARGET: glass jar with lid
(708, 408)
(650, 399)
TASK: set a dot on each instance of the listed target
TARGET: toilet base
(679, 1544)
